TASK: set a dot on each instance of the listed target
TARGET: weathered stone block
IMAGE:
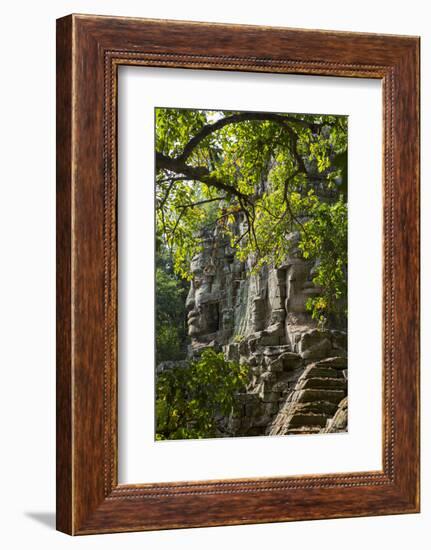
(339, 340)
(290, 360)
(243, 347)
(278, 315)
(270, 397)
(271, 408)
(275, 366)
(270, 351)
(339, 421)
(318, 350)
(231, 352)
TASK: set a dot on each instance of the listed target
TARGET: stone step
(333, 362)
(320, 372)
(309, 419)
(321, 383)
(307, 430)
(332, 396)
(323, 407)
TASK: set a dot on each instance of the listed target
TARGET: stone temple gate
(298, 372)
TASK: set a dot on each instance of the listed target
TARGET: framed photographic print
(237, 274)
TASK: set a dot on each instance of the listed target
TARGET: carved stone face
(299, 286)
(216, 308)
(202, 303)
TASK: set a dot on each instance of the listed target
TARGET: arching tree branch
(178, 164)
(199, 203)
(208, 129)
(198, 173)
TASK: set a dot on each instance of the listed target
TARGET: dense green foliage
(278, 173)
(171, 292)
(324, 236)
(189, 398)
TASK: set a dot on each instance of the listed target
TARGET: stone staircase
(315, 400)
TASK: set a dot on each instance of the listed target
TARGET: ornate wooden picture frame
(89, 51)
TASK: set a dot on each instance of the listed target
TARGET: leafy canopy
(276, 173)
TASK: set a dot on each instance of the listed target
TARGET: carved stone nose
(190, 300)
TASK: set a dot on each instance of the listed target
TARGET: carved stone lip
(193, 314)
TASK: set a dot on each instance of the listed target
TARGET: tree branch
(240, 117)
(206, 201)
(288, 205)
(171, 184)
(199, 173)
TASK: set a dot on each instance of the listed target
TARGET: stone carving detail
(298, 372)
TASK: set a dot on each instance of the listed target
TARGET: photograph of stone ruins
(251, 273)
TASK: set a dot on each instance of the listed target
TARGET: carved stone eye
(209, 270)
